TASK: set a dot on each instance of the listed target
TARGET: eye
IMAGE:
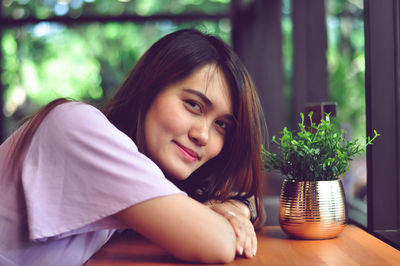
(222, 125)
(193, 106)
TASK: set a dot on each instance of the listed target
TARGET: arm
(184, 227)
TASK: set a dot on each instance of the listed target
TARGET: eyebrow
(200, 95)
(209, 103)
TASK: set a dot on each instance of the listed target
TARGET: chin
(177, 171)
(179, 175)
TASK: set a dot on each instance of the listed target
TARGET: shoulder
(77, 118)
(73, 124)
(75, 112)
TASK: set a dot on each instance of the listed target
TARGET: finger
(240, 233)
(254, 241)
(245, 247)
(250, 246)
(240, 244)
(248, 250)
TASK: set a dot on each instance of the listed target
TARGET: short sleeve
(79, 169)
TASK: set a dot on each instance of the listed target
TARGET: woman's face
(186, 124)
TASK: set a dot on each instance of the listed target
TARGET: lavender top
(78, 171)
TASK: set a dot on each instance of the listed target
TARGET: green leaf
(320, 154)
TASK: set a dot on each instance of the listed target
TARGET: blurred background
(299, 52)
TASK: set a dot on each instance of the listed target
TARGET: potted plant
(312, 200)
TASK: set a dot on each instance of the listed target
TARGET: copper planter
(312, 209)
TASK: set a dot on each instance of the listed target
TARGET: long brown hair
(238, 167)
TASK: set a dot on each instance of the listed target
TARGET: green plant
(320, 152)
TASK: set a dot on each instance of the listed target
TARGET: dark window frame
(382, 31)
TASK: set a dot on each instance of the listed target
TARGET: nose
(199, 133)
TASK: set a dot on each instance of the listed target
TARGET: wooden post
(310, 76)
(257, 38)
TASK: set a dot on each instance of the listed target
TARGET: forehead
(211, 81)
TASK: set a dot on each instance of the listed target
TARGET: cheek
(166, 119)
(172, 122)
(215, 146)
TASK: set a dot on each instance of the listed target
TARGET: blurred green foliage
(45, 61)
(345, 58)
(89, 61)
(43, 9)
(85, 62)
(346, 63)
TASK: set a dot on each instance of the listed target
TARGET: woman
(174, 155)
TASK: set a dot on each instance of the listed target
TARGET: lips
(188, 153)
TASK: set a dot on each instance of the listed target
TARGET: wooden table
(353, 247)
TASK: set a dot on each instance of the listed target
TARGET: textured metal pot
(312, 209)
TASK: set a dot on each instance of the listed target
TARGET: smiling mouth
(189, 154)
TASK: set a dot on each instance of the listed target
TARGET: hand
(238, 215)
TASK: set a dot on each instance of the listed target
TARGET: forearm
(235, 206)
(184, 227)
